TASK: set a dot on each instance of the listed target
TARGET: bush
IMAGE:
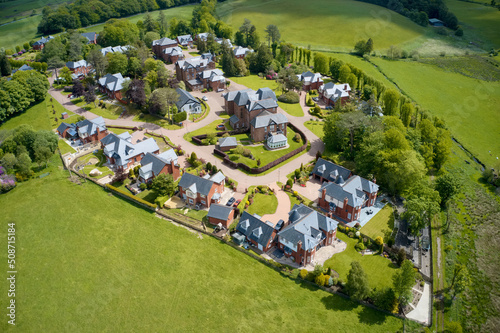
(296, 137)
(357, 226)
(359, 247)
(290, 97)
(379, 240)
(309, 102)
(143, 186)
(303, 273)
(179, 117)
(289, 182)
(459, 32)
(401, 256)
(321, 279)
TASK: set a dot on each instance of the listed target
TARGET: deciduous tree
(357, 283)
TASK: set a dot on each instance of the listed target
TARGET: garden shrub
(289, 182)
(357, 226)
(143, 186)
(359, 247)
(379, 240)
(179, 117)
(296, 137)
(321, 279)
(303, 273)
(290, 97)
(309, 102)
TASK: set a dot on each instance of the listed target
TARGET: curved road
(216, 103)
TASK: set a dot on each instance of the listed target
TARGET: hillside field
(323, 24)
(107, 265)
(469, 106)
(17, 9)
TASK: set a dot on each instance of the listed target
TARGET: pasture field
(18, 9)
(36, 116)
(469, 106)
(481, 23)
(111, 266)
(19, 32)
(323, 24)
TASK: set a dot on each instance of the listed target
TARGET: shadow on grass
(371, 316)
(338, 303)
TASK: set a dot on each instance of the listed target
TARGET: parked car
(230, 201)
(236, 203)
(205, 98)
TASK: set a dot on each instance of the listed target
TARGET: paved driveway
(422, 311)
(310, 191)
(283, 206)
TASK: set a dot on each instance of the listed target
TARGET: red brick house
(190, 69)
(332, 93)
(90, 36)
(185, 40)
(258, 233)
(172, 54)
(122, 153)
(112, 85)
(67, 131)
(213, 79)
(160, 45)
(40, 44)
(201, 190)
(310, 80)
(305, 232)
(220, 214)
(241, 52)
(153, 165)
(79, 68)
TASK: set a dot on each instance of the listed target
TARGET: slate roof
(122, 150)
(185, 98)
(213, 75)
(241, 51)
(330, 171)
(233, 119)
(195, 62)
(43, 40)
(229, 141)
(76, 64)
(63, 126)
(220, 212)
(218, 177)
(266, 118)
(164, 41)
(310, 77)
(23, 68)
(173, 51)
(196, 184)
(88, 127)
(255, 229)
(115, 49)
(276, 138)
(263, 98)
(152, 164)
(91, 36)
(221, 40)
(307, 226)
(184, 39)
(335, 91)
(202, 36)
(113, 82)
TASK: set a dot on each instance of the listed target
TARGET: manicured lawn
(111, 111)
(381, 224)
(293, 200)
(469, 106)
(255, 82)
(205, 110)
(99, 165)
(352, 21)
(116, 266)
(163, 146)
(263, 204)
(378, 269)
(210, 128)
(55, 105)
(316, 127)
(36, 116)
(64, 147)
(120, 130)
(193, 213)
(155, 120)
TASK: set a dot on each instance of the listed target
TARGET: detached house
(202, 190)
(310, 80)
(78, 68)
(189, 70)
(342, 193)
(257, 111)
(257, 232)
(172, 54)
(220, 214)
(115, 49)
(241, 52)
(306, 231)
(185, 40)
(213, 79)
(187, 102)
(160, 45)
(202, 36)
(112, 85)
(90, 36)
(153, 165)
(332, 93)
(122, 153)
(88, 130)
(40, 44)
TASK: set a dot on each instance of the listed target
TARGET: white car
(205, 98)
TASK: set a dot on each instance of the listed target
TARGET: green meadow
(469, 106)
(17, 9)
(323, 24)
(107, 265)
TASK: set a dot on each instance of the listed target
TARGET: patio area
(367, 213)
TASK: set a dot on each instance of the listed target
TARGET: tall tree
(253, 38)
(163, 185)
(320, 63)
(162, 23)
(136, 93)
(391, 99)
(407, 111)
(98, 61)
(272, 34)
(75, 46)
(402, 283)
(4, 65)
(357, 282)
(149, 23)
(117, 63)
(447, 185)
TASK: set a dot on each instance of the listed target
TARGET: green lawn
(64, 147)
(210, 128)
(193, 213)
(378, 269)
(163, 146)
(469, 106)
(316, 127)
(263, 204)
(120, 130)
(18, 9)
(155, 120)
(266, 156)
(19, 32)
(381, 224)
(255, 82)
(99, 165)
(111, 111)
(55, 105)
(95, 262)
(352, 21)
(36, 116)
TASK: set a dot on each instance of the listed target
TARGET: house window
(271, 127)
(371, 201)
(190, 201)
(349, 216)
(203, 202)
(265, 129)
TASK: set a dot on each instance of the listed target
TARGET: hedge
(178, 117)
(290, 97)
(133, 197)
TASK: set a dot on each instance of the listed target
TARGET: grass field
(119, 268)
(316, 127)
(469, 106)
(64, 147)
(380, 225)
(341, 23)
(378, 269)
(36, 116)
(111, 111)
(263, 204)
(21, 8)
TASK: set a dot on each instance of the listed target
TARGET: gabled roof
(218, 177)
(23, 68)
(220, 212)
(264, 98)
(43, 40)
(354, 195)
(91, 36)
(164, 41)
(76, 64)
(229, 141)
(89, 127)
(63, 126)
(202, 36)
(152, 164)
(310, 77)
(113, 82)
(196, 184)
(195, 62)
(173, 51)
(184, 39)
(307, 226)
(255, 229)
(266, 118)
(335, 91)
(221, 40)
(185, 98)
(213, 75)
(276, 138)
(115, 49)
(330, 171)
(122, 150)
(241, 51)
